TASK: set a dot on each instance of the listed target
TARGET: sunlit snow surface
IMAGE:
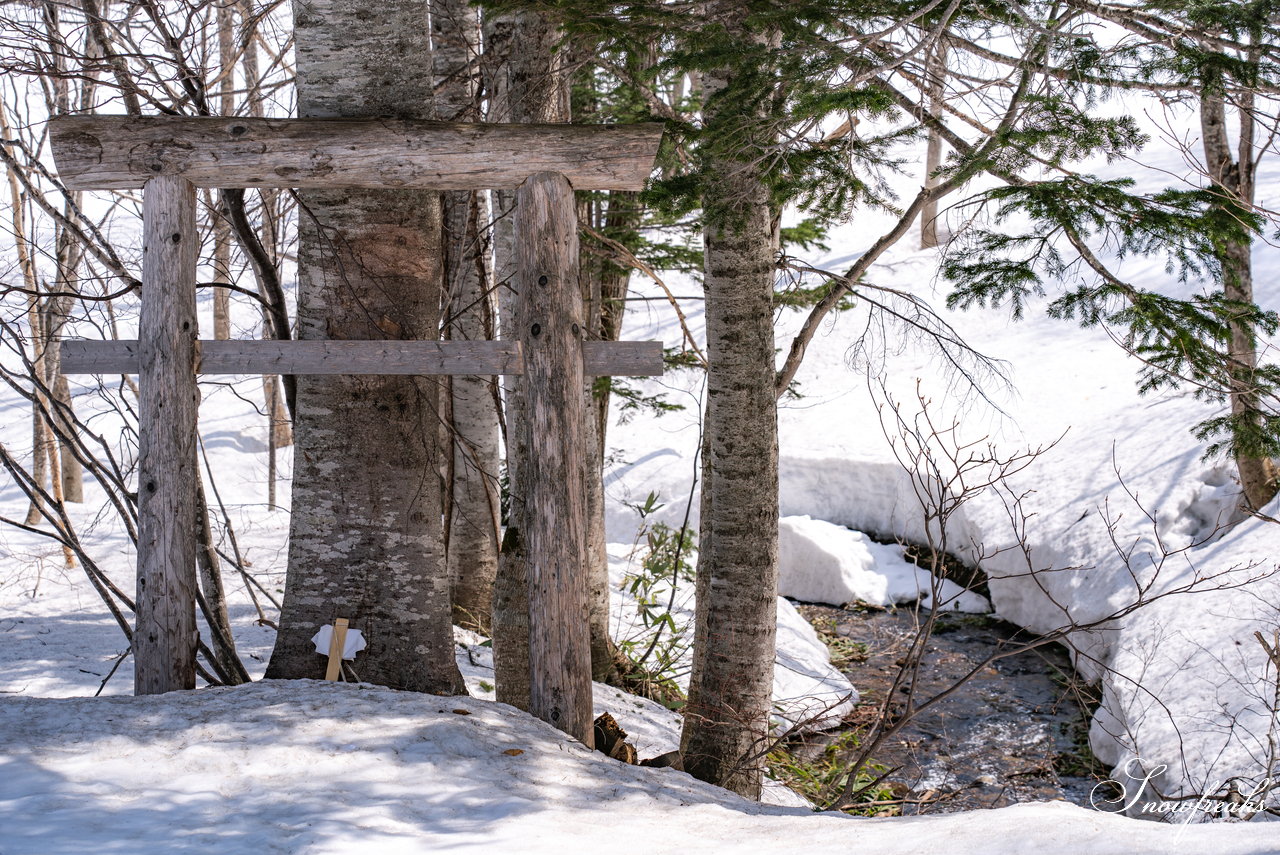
(309, 767)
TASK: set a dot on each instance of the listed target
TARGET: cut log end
(611, 740)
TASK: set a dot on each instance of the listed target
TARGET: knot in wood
(542, 280)
(535, 329)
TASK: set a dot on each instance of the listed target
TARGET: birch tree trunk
(221, 229)
(70, 255)
(604, 287)
(280, 433)
(727, 715)
(365, 535)
(43, 444)
(935, 80)
(1233, 178)
(473, 518)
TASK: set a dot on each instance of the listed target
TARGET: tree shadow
(296, 765)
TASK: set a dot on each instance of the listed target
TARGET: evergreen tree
(1205, 58)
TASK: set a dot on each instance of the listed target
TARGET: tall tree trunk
(69, 257)
(527, 83)
(209, 568)
(510, 613)
(591, 273)
(604, 290)
(473, 515)
(604, 285)
(935, 80)
(365, 533)
(1233, 178)
(70, 254)
(274, 395)
(595, 551)
(221, 229)
(727, 716)
(43, 455)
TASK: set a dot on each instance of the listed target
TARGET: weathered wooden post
(164, 640)
(549, 321)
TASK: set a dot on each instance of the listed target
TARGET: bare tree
(472, 519)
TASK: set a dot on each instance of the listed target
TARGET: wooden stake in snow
(337, 642)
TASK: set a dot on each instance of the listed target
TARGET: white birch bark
(365, 536)
(473, 518)
(936, 77)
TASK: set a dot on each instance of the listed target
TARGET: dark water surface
(1015, 732)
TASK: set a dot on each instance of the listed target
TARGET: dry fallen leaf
(512, 752)
(463, 712)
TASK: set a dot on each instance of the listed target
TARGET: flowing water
(1015, 731)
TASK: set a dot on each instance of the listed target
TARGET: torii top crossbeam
(121, 153)
(170, 156)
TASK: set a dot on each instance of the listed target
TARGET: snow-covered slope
(1118, 506)
(306, 767)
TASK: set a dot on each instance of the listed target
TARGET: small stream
(1014, 732)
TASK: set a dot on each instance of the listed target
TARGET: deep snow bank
(310, 767)
(819, 562)
(1115, 511)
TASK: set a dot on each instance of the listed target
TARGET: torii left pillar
(165, 637)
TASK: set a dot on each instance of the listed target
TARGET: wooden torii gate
(169, 157)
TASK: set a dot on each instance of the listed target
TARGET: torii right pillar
(549, 322)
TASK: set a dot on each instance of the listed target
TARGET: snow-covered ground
(1118, 503)
(310, 767)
